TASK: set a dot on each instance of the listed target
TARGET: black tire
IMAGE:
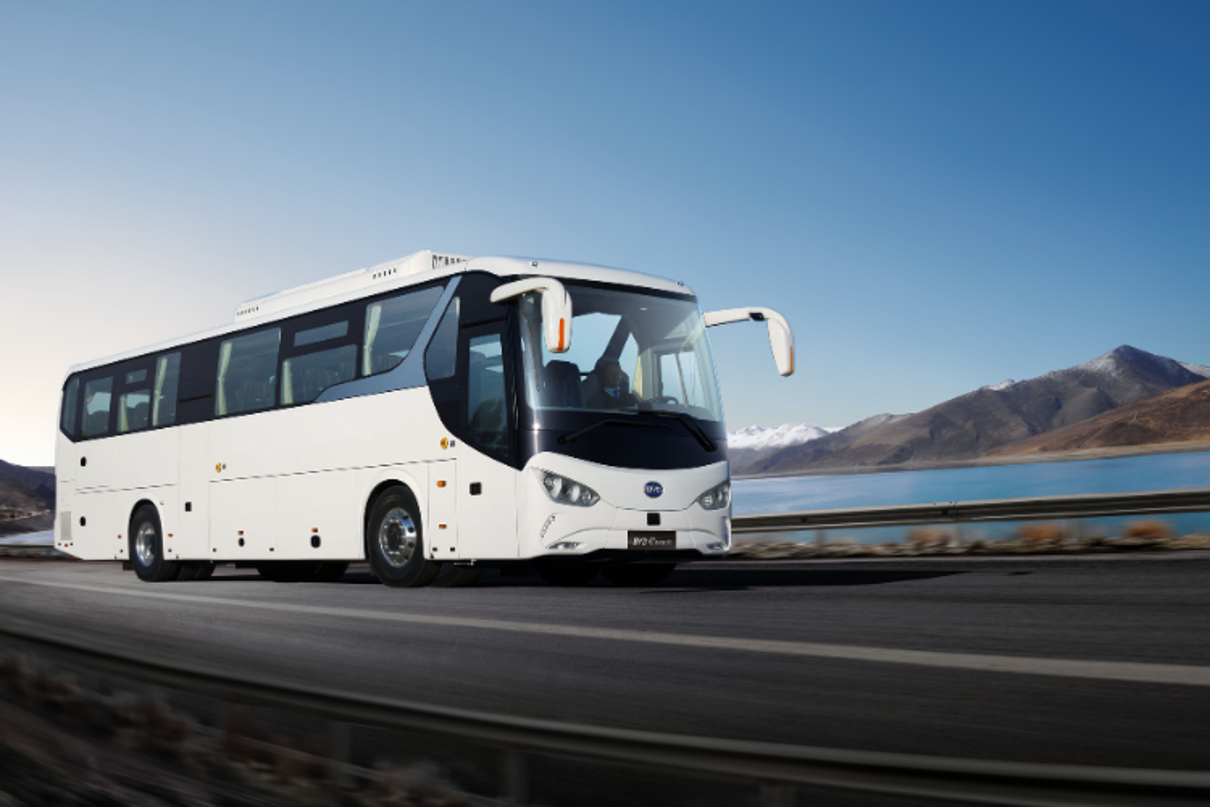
(330, 571)
(147, 548)
(196, 571)
(564, 573)
(395, 541)
(637, 574)
(458, 576)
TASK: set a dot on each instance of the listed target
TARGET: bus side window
(392, 327)
(441, 357)
(97, 395)
(134, 410)
(247, 373)
(71, 395)
(304, 377)
(486, 410)
(167, 381)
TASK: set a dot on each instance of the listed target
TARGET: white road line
(1135, 672)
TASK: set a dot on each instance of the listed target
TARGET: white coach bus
(435, 410)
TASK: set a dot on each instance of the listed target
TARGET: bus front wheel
(395, 541)
(147, 548)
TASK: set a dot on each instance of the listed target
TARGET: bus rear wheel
(147, 548)
(395, 541)
(637, 574)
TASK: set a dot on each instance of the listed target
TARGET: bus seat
(561, 385)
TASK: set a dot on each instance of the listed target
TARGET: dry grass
(1043, 535)
(924, 538)
(1036, 538)
(1153, 529)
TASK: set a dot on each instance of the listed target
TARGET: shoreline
(1082, 455)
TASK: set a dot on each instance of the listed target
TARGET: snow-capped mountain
(1201, 369)
(788, 434)
(969, 426)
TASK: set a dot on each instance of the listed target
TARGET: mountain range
(24, 488)
(979, 423)
(1179, 416)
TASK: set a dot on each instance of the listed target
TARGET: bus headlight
(567, 491)
(717, 497)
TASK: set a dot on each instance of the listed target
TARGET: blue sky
(938, 195)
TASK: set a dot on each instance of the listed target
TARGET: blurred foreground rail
(777, 769)
(1091, 505)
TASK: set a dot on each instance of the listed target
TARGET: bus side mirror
(556, 308)
(781, 338)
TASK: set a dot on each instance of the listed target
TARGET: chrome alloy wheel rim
(144, 543)
(397, 537)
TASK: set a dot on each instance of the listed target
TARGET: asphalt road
(1091, 660)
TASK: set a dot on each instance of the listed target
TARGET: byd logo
(654, 490)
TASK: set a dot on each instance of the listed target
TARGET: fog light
(564, 545)
(715, 546)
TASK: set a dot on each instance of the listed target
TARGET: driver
(614, 392)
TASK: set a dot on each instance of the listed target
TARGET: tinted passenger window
(487, 419)
(304, 377)
(441, 357)
(97, 395)
(71, 396)
(167, 381)
(321, 334)
(392, 327)
(134, 409)
(247, 373)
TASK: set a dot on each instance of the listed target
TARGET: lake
(1118, 475)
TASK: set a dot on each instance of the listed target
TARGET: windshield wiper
(690, 423)
(571, 438)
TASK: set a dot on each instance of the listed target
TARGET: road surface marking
(1135, 672)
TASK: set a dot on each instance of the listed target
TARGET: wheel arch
(138, 505)
(395, 477)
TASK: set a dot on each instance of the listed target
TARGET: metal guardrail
(778, 766)
(1094, 505)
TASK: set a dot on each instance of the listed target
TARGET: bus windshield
(631, 352)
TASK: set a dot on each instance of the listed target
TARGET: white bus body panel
(318, 505)
(196, 470)
(93, 536)
(487, 521)
(442, 527)
(623, 507)
(66, 463)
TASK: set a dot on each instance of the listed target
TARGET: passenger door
(487, 502)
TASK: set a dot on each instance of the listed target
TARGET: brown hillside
(1181, 415)
(26, 488)
(971, 426)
